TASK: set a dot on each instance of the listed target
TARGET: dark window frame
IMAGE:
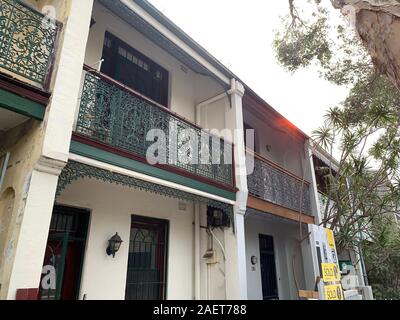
(246, 126)
(134, 69)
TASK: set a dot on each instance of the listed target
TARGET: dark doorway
(268, 269)
(62, 266)
(146, 279)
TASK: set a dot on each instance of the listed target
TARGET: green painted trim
(21, 105)
(113, 159)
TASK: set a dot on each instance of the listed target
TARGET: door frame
(65, 239)
(260, 235)
(166, 224)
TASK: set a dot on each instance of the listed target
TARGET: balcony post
(235, 267)
(29, 248)
(309, 167)
(65, 93)
(308, 249)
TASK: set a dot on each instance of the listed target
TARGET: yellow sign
(331, 239)
(334, 292)
(330, 272)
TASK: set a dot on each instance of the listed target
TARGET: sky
(240, 35)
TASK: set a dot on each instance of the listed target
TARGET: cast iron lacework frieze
(27, 41)
(273, 185)
(75, 170)
(121, 119)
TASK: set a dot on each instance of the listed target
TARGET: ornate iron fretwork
(27, 41)
(76, 170)
(273, 185)
(121, 119)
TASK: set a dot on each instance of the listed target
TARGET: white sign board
(324, 244)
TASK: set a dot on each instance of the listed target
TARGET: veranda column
(235, 265)
(33, 232)
(310, 176)
(36, 209)
(309, 253)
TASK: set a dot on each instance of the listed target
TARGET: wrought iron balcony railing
(118, 116)
(27, 42)
(272, 183)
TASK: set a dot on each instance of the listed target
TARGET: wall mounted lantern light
(114, 244)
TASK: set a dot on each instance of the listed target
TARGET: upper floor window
(132, 68)
(252, 145)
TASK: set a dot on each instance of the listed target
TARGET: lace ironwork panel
(273, 185)
(75, 171)
(27, 41)
(121, 119)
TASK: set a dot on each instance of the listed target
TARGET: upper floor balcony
(274, 184)
(280, 177)
(27, 50)
(116, 118)
(27, 43)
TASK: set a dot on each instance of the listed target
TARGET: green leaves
(334, 48)
(304, 42)
(382, 258)
(301, 46)
(323, 136)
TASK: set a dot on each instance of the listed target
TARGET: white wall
(285, 235)
(212, 277)
(213, 115)
(111, 209)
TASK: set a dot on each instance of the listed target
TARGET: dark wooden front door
(65, 248)
(268, 269)
(146, 278)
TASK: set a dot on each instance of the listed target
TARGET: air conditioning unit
(217, 218)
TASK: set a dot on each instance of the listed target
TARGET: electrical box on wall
(211, 257)
(217, 218)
